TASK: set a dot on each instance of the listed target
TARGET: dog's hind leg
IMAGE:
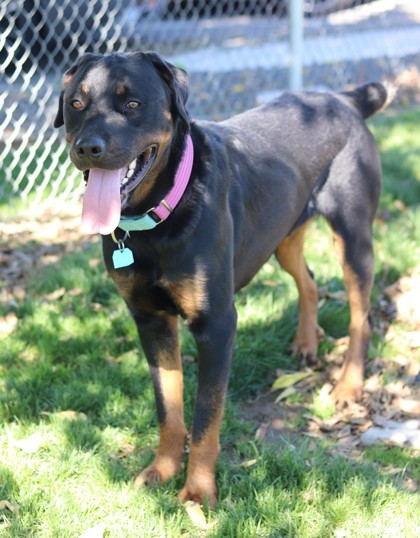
(159, 338)
(290, 256)
(356, 257)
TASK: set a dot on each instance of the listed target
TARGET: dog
(190, 210)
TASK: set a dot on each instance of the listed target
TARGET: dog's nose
(91, 148)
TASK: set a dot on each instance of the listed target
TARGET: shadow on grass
(88, 360)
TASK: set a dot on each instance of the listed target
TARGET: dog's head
(120, 112)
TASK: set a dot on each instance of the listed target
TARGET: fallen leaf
(308, 496)
(31, 444)
(29, 354)
(289, 379)
(344, 432)
(57, 294)
(411, 407)
(337, 296)
(49, 259)
(289, 391)
(410, 485)
(75, 292)
(271, 283)
(327, 425)
(249, 463)
(98, 531)
(196, 514)
(67, 415)
(14, 508)
(262, 431)
(405, 294)
(19, 292)
(8, 324)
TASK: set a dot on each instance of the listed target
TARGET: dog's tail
(370, 98)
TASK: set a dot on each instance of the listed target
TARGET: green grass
(79, 352)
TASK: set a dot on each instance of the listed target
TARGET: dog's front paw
(156, 473)
(201, 493)
(305, 344)
(150, 475)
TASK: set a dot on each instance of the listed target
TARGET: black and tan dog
(181, 239)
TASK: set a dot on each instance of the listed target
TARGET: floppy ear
(68, 75)
(59, 119)
(177, 80)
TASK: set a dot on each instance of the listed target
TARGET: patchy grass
(77, 416)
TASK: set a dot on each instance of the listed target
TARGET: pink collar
(169, 203)
(171, 200)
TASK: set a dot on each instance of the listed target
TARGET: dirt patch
(33, 242)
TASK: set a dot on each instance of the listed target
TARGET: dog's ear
(59, 119)
(68, 75)
(177, 79)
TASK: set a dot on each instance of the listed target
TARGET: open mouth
(135, 171)
(138, 169)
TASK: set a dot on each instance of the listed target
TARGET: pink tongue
(102, 202)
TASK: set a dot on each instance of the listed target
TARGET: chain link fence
(236, 53)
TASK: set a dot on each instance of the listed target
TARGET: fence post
(295, 44)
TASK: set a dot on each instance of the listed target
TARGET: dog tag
(122, 258)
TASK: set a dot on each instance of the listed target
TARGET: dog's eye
(132, 105)
(75, 103)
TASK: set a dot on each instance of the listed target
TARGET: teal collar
(164, 208)
(138, 224)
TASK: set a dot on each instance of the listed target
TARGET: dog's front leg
(215, 339)
(159, 338)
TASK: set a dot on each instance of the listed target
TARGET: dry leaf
(285, 394)
(411, 407)
(67, 415)
(410, 485)
(289, 379)
(14, 508)
(271, 283)
(98, 531)
(249, 463)
(75, 292)
(344, 432)
(31, 444)
(196, 514)
(57, 294)
(8, 324)
(308, 496)
(262, 431)
(337, 296)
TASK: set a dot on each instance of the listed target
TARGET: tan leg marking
(200, 485)
(173, 431)
(290, 256)
(350, 385)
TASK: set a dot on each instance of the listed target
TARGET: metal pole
(295, 44)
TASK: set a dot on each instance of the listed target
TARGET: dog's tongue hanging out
(102, 201)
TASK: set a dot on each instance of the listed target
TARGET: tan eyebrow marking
(121, 89)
